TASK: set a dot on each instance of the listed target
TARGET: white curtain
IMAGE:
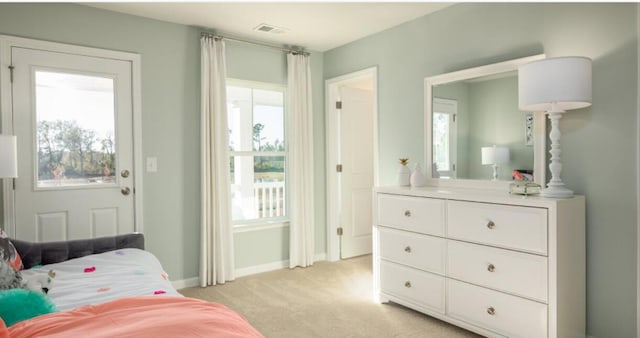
(301, 241)
(216, 256)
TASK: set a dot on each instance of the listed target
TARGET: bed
(112, 287)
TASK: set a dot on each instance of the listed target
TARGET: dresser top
(479, 195)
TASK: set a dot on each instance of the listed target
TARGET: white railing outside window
(269, 199)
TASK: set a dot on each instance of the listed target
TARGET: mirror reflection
(478, 132)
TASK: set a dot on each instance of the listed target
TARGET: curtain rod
(220, 37)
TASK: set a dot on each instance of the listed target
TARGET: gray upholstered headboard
(56, 252)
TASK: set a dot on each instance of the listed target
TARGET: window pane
(256, 119)
(75, 129)
(257, 187)
(268, 120)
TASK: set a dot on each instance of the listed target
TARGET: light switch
(152, 164)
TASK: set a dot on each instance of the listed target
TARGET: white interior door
(72, 116)
(356, 179)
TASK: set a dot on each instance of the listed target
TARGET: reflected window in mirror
(445, 133)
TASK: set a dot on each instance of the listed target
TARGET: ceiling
(318, 26)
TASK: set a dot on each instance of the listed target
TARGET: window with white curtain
(257, 145)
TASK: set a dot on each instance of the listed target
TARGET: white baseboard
(250, 270)
(185, 283)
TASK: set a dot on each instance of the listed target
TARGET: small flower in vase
(404, 174)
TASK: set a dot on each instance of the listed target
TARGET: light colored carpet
(325, 300)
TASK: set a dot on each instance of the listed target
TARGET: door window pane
(75, 129)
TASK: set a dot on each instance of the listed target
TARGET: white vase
(404, 176)
(417, 177)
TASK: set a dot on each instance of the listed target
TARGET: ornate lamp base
(556, 192)
(555, 188)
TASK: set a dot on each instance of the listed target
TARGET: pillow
(8, 252)
(17, 305)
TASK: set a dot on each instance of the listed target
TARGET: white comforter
(103, 277)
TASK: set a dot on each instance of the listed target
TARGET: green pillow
(17, 305)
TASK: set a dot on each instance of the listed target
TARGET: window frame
(269, 222)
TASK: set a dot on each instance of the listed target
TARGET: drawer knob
(407, 213)
(491, 311)
(407, 284)
(491, 268)
(407, 249)
(491, 225)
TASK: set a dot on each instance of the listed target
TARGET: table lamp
(495, 155)
(554, 86)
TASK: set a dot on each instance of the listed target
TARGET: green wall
(171, 120)
(599, 142)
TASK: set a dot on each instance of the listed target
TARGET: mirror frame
(539, 131)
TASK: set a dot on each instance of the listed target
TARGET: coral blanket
(146, 316)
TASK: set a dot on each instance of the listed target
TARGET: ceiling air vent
(263, 27)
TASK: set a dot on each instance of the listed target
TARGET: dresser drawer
(419, 251)
(504, 314)
(505, 270)
(419, 214)
(519, 228)
(416, 286)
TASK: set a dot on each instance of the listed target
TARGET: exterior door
(72, 117)
(356, 154)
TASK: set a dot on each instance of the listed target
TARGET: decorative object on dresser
(404, 173)
(555, 85)
(493, 156)
(496, 264)
(417, 177)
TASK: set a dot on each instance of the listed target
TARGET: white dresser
(495, 264)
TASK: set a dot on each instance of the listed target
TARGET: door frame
(332, 86)
(6, 113)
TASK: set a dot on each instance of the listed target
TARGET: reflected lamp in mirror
(8, 156)
(493, 156)
(555, 85)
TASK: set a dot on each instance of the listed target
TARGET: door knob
(124, 173)
(125, 191)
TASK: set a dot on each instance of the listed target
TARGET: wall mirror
(475, 135)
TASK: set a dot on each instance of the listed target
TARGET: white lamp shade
(564, 82)
(8, 156)
(495, 155)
